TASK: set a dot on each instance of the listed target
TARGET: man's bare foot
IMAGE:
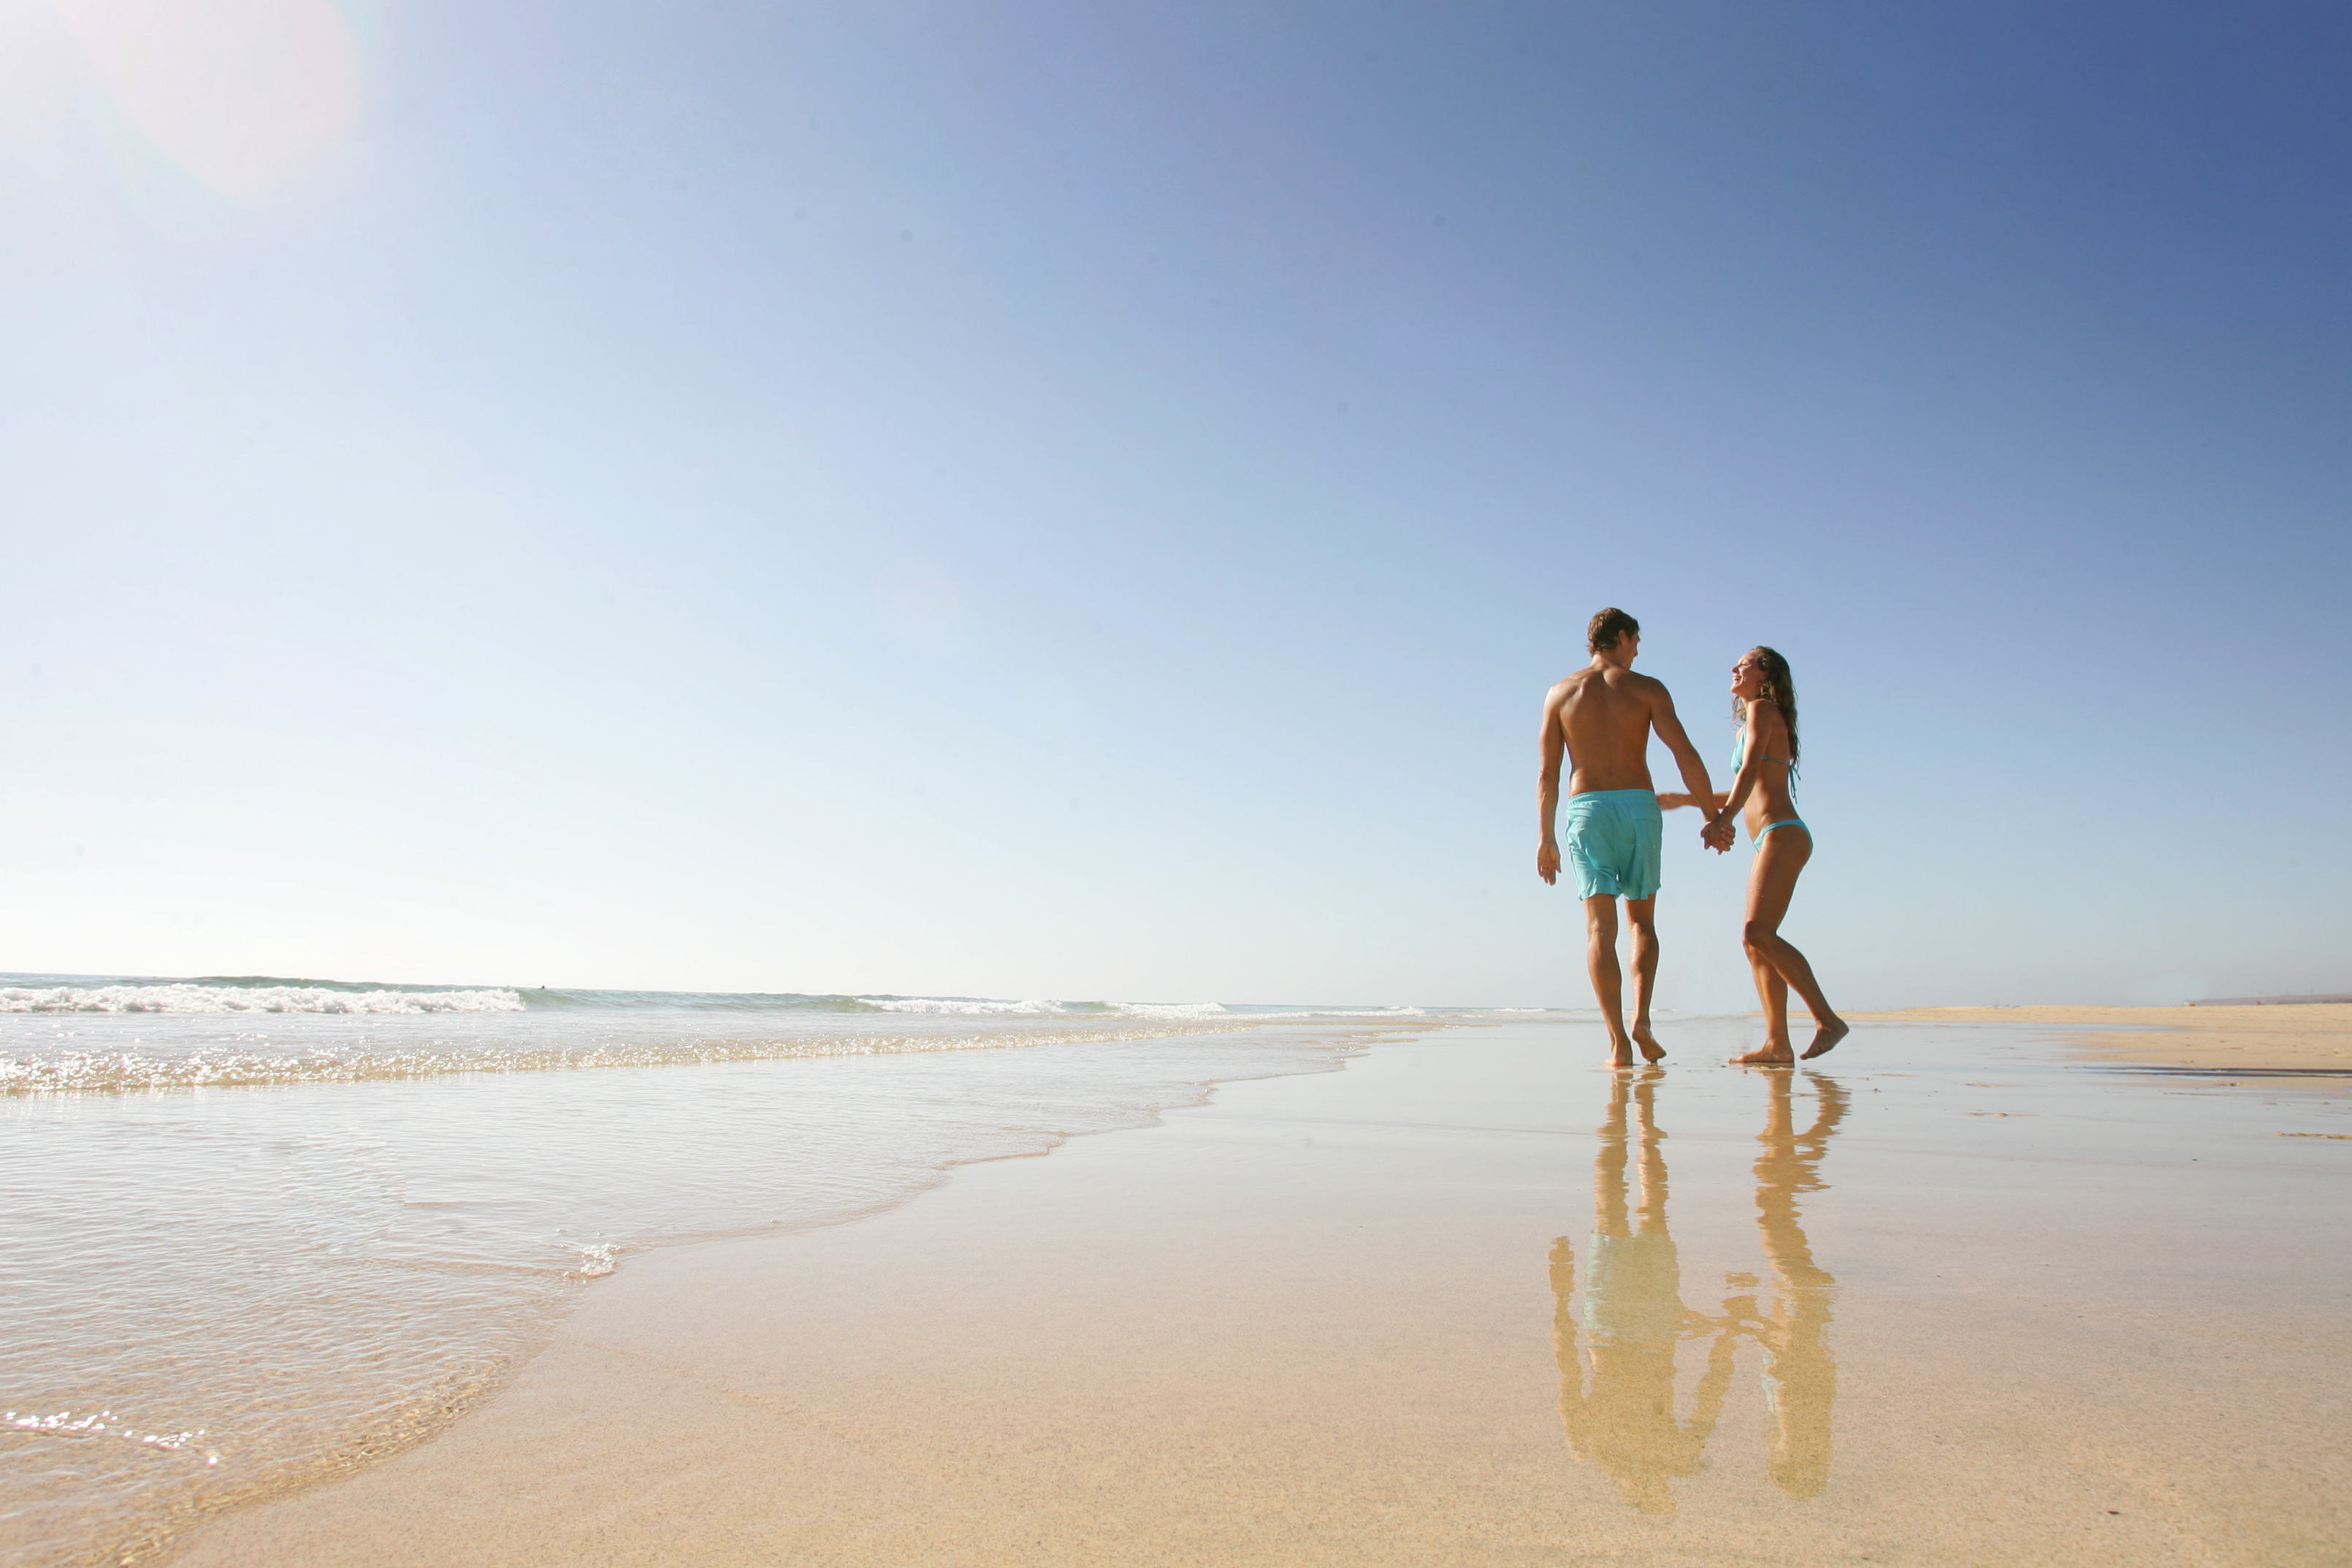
(1826, 1037)
(1770, 1056)
(1650, 1050)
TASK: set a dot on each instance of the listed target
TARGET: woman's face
(1747, 675)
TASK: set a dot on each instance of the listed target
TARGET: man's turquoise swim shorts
(1613, 842)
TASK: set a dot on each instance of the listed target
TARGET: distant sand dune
(2315, 1036)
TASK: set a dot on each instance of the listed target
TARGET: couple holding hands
(1601, 719)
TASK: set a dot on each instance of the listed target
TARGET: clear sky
(1086, 500)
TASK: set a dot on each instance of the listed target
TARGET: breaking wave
(194, 997)
(223, 995)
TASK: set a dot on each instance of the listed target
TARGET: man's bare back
(1605, 714)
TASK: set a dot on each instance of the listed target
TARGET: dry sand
(2303, 1035)
(1949, 1305)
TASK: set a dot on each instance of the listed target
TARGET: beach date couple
(1600, 720)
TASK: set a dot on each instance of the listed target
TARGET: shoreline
(2257, 1038)
(415, 1244)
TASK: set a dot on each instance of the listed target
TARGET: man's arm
(1552, 746)
(1669, 727)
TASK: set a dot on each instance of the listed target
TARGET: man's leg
(1608, 1204)
(1608, 980)
(1642, 915)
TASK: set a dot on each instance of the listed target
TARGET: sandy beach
(2296, 1038)
(1958, 1298)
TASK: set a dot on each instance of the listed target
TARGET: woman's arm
(1753, 747)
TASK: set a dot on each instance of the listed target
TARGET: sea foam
(969, 1007)
(53, 1067)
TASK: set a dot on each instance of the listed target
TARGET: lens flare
(249, 95)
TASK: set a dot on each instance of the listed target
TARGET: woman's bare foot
(1621, 1053)
(1770, 1056)
(1826, 1037)
(1650, 1050)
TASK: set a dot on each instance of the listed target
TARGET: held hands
(1548, 863)
(1718, 834)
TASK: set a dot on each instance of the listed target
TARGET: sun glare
(247, 95)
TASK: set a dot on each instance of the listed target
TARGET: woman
(1766, 699)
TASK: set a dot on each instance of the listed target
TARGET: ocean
(261, 1231)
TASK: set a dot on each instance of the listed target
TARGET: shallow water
(217, 1292)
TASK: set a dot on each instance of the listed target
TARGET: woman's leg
(1771, 988)
(1771, 882)
(1773, 992)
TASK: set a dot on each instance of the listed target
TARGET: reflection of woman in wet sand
(1624, 1422)
(1623, 1418)
(1767, 757)
(1800, 1377)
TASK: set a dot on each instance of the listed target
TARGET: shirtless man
(1602, 717)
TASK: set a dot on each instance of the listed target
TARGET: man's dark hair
(1607, 627)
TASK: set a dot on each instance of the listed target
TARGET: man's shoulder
(1614, 678)
(1634, 683)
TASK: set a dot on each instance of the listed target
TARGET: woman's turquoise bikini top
(1740, 760)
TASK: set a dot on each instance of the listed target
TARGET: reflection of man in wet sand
(1625, 1420)
(1601, 718)
(1623, 1417)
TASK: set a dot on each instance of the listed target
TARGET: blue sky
(1086, 501)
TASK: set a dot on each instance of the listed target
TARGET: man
(1602, 717)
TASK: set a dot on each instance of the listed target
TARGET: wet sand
(1952, 1300)
(2270, 1038)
